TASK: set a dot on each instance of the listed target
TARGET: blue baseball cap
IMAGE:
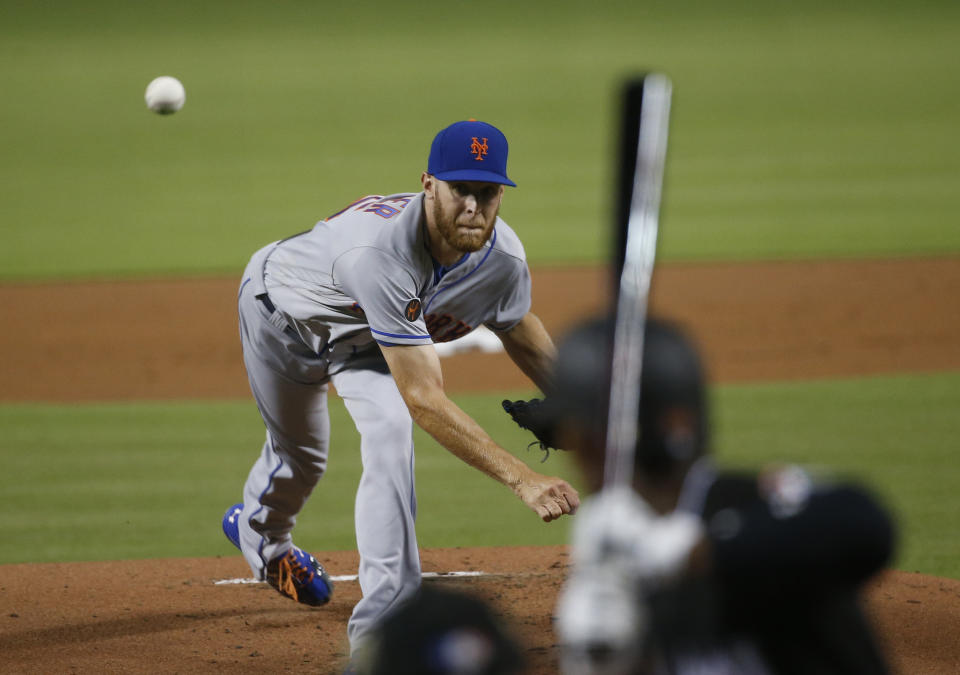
(470, 150)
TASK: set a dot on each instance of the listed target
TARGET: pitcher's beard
(465, 241)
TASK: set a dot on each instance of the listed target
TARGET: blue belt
(287, 328)
(272, 308)
(265, 299)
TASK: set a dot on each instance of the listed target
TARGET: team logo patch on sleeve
(412, 311)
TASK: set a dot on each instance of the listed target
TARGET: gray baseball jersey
(312, 309)
(365, 275)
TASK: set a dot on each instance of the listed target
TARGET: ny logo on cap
(479, 149)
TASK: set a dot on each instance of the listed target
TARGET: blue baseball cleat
(296, 574)
(231, 524)
(299, 576)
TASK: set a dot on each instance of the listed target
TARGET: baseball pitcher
(359, 301)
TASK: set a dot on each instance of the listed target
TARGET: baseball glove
(529, 415)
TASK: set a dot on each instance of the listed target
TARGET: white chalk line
(353, 577)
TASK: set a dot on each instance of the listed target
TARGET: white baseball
(165, 95)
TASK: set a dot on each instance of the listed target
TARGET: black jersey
(788, 561)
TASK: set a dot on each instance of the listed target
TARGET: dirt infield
(177, 339)
(170, 616)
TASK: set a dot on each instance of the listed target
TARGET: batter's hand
(549, 496)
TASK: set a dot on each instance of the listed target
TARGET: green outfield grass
(799, 130)
(118, 481)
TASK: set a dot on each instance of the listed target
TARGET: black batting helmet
(673, 406)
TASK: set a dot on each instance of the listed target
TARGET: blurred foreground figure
(693, 570)
(441, 632)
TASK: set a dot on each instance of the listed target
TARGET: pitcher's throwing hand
(549, 497)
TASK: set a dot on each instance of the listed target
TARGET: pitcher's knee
(305, 462)
(394, 428)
